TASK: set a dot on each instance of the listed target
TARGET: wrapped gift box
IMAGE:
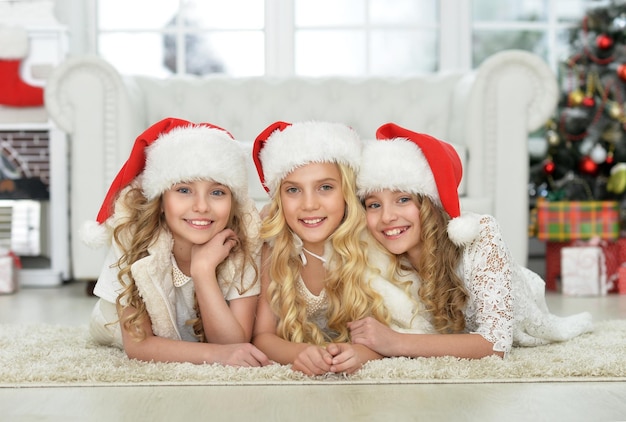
(8, 272)
(614, 256)
(561, 221)
(621, 281)
(583, 271)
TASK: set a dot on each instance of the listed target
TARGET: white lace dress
(507, 301)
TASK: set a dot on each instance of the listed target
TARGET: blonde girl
(314, 262)
(180, 282)
(477, 300)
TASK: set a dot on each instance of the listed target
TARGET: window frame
(454, 35)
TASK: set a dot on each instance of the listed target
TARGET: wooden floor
(69, 304)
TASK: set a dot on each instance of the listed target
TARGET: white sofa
(487, 113)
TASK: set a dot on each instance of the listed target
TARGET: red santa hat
(282, 147)
(402, 160)
(169, 152)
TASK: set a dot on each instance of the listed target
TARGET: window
(326, 37)
(538, 26)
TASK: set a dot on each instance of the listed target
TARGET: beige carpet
(47, 355)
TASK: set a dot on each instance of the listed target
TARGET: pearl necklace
(303, 256)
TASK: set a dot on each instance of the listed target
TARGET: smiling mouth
(199, 222)
(394, 232)
(312, 221)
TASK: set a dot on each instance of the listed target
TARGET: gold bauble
(575, 98)
(614, 109)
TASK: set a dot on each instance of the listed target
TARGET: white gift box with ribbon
(9, 264)
(583, 271)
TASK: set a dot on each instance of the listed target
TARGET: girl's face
(313, 203)
(393, 219)
(196, 211)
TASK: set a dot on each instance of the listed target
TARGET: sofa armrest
(88, 99)
(510, 95)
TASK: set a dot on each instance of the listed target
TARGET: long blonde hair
(350, 296)
(142, 223)
(441, 290)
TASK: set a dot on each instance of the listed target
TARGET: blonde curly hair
(136, 231)
(350, 297)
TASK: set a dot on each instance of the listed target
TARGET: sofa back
(246, 106)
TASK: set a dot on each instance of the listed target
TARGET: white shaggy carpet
(50, 355)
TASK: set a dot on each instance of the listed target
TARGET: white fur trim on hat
(308, 142)
(94, 235)
(398, 165)
(13, 42)
(193, 153)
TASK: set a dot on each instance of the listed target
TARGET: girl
(468, 287)
(180, 282)
(312, 278)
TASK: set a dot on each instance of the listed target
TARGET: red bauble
(604, 42)
(587, 166)
(549, 167)
(621, 71)
(589, 102)
(609, 159)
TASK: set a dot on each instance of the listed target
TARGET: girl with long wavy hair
(477, 300)
(180, 283)
(314, 277)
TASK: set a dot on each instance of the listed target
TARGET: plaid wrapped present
(561, 221)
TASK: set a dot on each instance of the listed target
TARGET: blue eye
(326, 187)
(291, 190)
(183, 189)
(404, 199)
(372, 205)
(218, 192)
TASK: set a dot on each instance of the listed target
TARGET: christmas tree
(586, 138)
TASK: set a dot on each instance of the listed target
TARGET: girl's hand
(347, 358)
(314, 360)
(241, 354)
(374, 335)
(208, 256)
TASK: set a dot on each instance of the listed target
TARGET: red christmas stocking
(13, 90)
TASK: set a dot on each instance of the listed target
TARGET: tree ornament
(614, 110)
(604, 42)
(618, 24)
(575, 98)
(574, 122)
(553, 138)
(598, 154)
(549, 166)
(610, 158)
(587, 166)
(589, 102)
(621, 71)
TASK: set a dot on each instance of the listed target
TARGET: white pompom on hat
(406, 161)
(282, 147)
(169, 152)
